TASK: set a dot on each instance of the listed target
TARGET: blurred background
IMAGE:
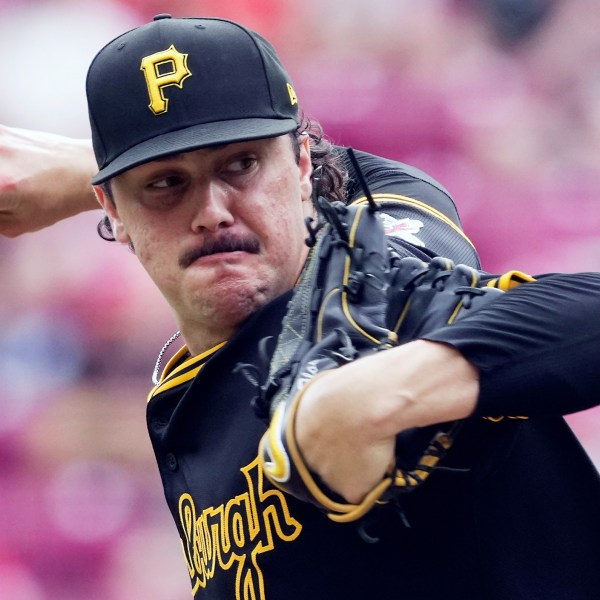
(497, 99)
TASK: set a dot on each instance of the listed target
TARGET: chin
(232, 308)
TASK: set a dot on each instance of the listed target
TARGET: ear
(109, 207)
(305, 167)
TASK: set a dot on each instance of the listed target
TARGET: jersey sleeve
(419, 215)
(536, 347)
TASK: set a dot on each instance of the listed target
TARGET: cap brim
(192, 138)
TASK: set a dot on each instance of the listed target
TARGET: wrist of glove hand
(341, 450)
(284, 464)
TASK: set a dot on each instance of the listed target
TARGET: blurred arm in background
(44, 178)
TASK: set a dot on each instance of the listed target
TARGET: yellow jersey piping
(173, 376)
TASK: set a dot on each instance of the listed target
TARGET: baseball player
(208, 171)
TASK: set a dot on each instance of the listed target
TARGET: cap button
(162, 16)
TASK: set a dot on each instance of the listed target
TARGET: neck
(201, 341)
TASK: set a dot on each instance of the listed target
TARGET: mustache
(224, 243)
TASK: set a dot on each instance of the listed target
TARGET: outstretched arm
(44, 178)
(531, 352)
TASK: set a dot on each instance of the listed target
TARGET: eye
(241, 164)
(169, 181)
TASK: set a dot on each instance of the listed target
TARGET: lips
(222, 244)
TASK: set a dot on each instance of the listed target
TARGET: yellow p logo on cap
(162, 69)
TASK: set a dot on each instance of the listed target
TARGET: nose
(212, 208)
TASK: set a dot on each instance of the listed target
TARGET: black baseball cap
(178, 84)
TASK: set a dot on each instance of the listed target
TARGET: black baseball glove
(356, 296)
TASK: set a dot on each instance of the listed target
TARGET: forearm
(348, 418)
(44, 178)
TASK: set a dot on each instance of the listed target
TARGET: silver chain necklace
(157, 366)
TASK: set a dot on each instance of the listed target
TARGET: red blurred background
(499, 100)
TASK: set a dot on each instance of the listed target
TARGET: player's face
(220, 230)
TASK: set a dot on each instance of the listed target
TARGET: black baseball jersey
(515, 516)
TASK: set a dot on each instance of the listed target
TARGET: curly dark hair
(328, 168)
(327, 162)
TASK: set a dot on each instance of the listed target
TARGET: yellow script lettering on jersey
(234, 535)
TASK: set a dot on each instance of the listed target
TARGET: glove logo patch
(310, 370)
(404, 229)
